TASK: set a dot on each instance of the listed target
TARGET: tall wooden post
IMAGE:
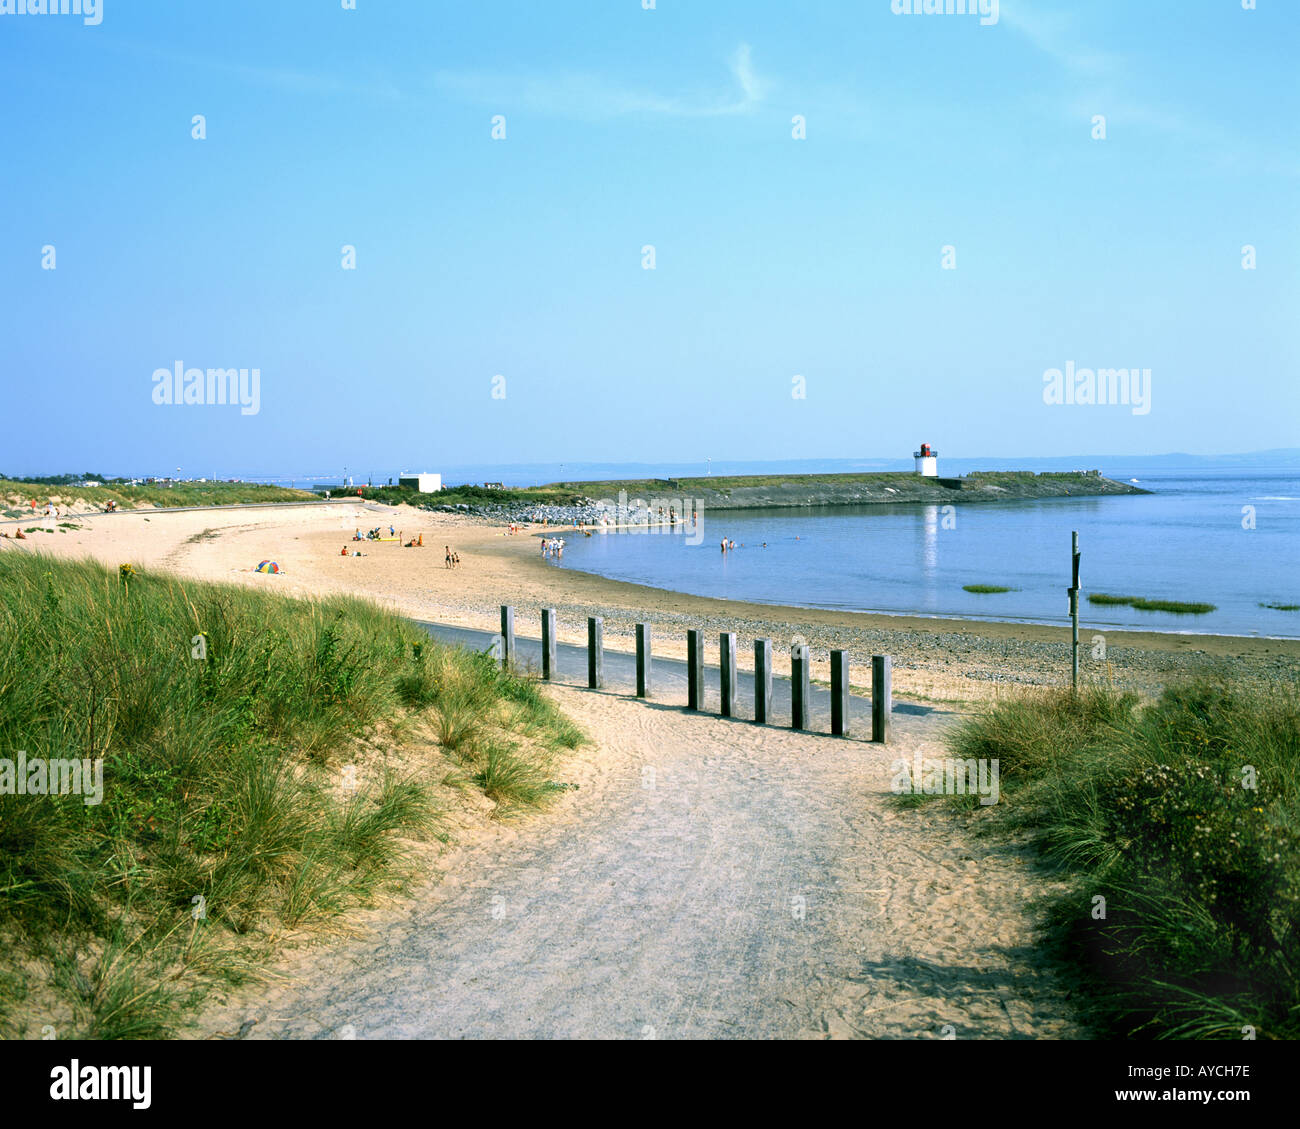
(840, 693)
(643, 660)
(800, 687)
(1074, 611)
(694, 669)
(507, 636)
(727, 672)
(548, 643)
(882, 696)
(595, 652)
(762, 680)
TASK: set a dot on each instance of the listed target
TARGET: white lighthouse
(927, 461)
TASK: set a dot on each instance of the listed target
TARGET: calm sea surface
(1186, 541)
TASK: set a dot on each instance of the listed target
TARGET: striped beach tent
(267, 566)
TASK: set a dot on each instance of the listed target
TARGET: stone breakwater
(639, 501)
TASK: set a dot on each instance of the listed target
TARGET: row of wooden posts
(800, 673)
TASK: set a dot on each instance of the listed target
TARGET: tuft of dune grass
(1180, 815)
(225, 718)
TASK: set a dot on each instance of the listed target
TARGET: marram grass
(226, 720)
(1175, 827)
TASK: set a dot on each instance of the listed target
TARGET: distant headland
(878, 488)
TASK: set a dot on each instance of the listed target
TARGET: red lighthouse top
(925, 452)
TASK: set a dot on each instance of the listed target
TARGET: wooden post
(643, 660)
(727, 667)
(839, 693)
(595, 652)
(548, 643)
(882, 696)
(694, 670)
(762, 680)
(507, 636)
(800, 687)
(1074, 611)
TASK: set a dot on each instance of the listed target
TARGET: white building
(424, 482)
(927, 461)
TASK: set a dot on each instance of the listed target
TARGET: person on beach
(447, 559)
(455, 560)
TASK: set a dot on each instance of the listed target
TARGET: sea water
(1225, 537)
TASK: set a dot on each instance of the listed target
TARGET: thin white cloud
(286, 78)
(592, 96)
(1056, 34)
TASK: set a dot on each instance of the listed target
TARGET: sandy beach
(939, 660)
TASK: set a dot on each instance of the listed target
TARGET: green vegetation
(986, 589)
(268, 763)
(1282, 607)
(1144, 605)
(472, 495)
(900, 480)
(21, 492)
(725, 484)
(1182, 815)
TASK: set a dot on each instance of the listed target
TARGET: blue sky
(522, 257)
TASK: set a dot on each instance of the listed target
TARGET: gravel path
(708, 879)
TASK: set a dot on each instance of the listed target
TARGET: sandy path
(661, 899)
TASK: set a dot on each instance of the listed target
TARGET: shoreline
(943, 620)
(936, 659)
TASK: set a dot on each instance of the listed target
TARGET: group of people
(375, 534)
(553, 547)
(453, 559)
(728, 546)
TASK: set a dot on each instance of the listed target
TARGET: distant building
(425, 483)
(927, 461)
(493, 486)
